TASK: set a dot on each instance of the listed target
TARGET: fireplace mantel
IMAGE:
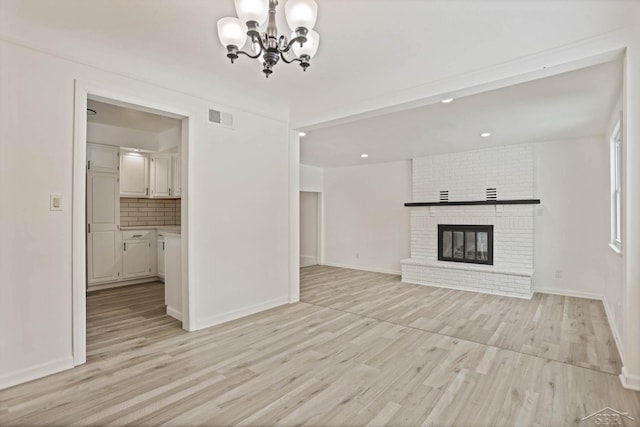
(477, 203)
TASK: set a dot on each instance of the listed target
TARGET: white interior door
(103, 219)
(309, 226)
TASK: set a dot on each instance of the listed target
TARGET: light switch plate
(55, 202)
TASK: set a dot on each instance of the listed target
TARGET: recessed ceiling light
(364, 155)
(302, 133)
(136, 150)
(485, 134)
(446, 101)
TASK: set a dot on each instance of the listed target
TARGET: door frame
(83, 91)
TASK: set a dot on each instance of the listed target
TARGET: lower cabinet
(138, 254)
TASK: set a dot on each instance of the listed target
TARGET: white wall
(309, 203)
(238, 206)
(366, 225)
(311, 178)
(100, 133)
(572, 222)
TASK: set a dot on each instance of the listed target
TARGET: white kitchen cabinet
(134, 174)
(161, 255)
(102, 158)
(177, 177)
(138, 254)
(103, 222)
(161, 175)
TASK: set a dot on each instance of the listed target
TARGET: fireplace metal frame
(475, 228)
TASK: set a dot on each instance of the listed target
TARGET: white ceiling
(373, 53)
(565, 106)
(129, 118)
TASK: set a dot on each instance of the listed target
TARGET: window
(616, 189)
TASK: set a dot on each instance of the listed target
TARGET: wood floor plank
(359, 349)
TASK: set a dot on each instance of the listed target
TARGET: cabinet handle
(146, 192)
(125, 246)
(137, 235)
(88, 228)
(163, 246)
(169, 191)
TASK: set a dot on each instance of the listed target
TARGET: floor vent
(492, 194)
(220, 118)
(444, 196)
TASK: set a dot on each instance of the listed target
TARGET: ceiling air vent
(220, 118)
(444, 196)
(492, 194)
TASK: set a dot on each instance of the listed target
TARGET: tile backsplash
(144, 212)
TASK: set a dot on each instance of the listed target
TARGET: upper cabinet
(134, 175)
(102, 158)
(177, 178)
(161, 175)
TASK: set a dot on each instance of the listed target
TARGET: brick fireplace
(493, 176)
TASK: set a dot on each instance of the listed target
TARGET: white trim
(35, 372)
(568, 293)
(124, 283)
(241, 312)
(631, 382)
(79, 220)
(174, 313)
(615, 247)
(363, 268)
(308, 260)
(82, 91)
(294, 217)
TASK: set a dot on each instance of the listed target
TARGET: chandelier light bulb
(301, 13)
(231, 32)
(252, 10)
(310, 47)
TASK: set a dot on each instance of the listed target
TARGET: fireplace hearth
(465, 243)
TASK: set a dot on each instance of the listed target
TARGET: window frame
(616, 155)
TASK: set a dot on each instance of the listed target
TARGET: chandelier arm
(300, 39)
(287, 61)
(240, 52)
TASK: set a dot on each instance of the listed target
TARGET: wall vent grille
(492, 194)
(444, 196)
(220, 118)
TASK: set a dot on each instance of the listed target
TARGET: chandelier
(300, 46)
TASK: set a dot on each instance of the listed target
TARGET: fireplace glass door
(466, 243)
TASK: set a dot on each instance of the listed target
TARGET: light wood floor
(361, 349)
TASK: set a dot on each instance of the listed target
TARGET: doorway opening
(310, 228)
(130, 222)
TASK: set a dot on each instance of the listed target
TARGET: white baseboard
(242, 312)
(131, 282)
(568, 293)
(308, 260)
(362, 268)
(625, 379)
(174, 313)
(35, 372)
(631, 382)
